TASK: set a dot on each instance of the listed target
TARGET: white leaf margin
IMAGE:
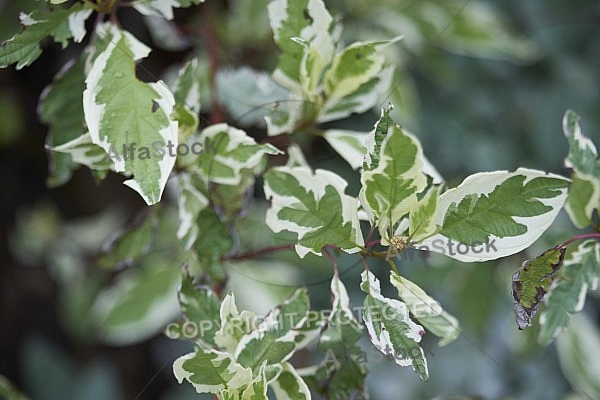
(417, 299)
(78, 149)
(241, 376)
(339, 140)
(383, 342)
(237, 138)
(316, 34)
(94, 112)
(315, 184)
(485, 183)
(282, 393)
(190, 202)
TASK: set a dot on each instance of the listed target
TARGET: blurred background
(484, 87)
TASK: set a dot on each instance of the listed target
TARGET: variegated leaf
(211, 371)
(83, 151)
(356, 65)
(393, 174)
(278, 335)
(426, 310)
(368, 95)
(584, 194)
(232, 152)
(289, 385)
(390, 328)
(234, 325)
(309, 22)
(580, 273)
(579, 355)
(532, 281)
(123, 112)
(314, 206)
(62, 24)
(496, 214)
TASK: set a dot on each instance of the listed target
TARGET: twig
(256, 253)
(211, 46)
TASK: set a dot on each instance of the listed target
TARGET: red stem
(580, 237)
(372, 243)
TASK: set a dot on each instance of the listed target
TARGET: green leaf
(284, 116)
(278, 335)
(214, 243)
(257, 389)
(393, 174)
(314, 206)
(186, 87)
(186, 91)
(496, 214)
(62, 24)
(342, 374)
(368, 95)
(579, 274)
(426, 310)
(583, 199)
(130, 245)
(201, 306)
(211, 371)
(289, 385)
(161, 7)
(9, 392)
(130, 119)
(583, 156)
(584, 194)
(579, 355)
(531, 282)
(61, 107)
(310, 22)
(376, 137)
(390, 328)
(139, 305)
(233, 152)
(421, 220)
(493, 213)
(356, 65)
(343, 330)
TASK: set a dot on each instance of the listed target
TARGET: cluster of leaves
(558, 281)
(97, 106)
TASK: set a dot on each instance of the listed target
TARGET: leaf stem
(580, 237)
(331, 258)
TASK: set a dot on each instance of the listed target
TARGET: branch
(256, 253)
(211, 46)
